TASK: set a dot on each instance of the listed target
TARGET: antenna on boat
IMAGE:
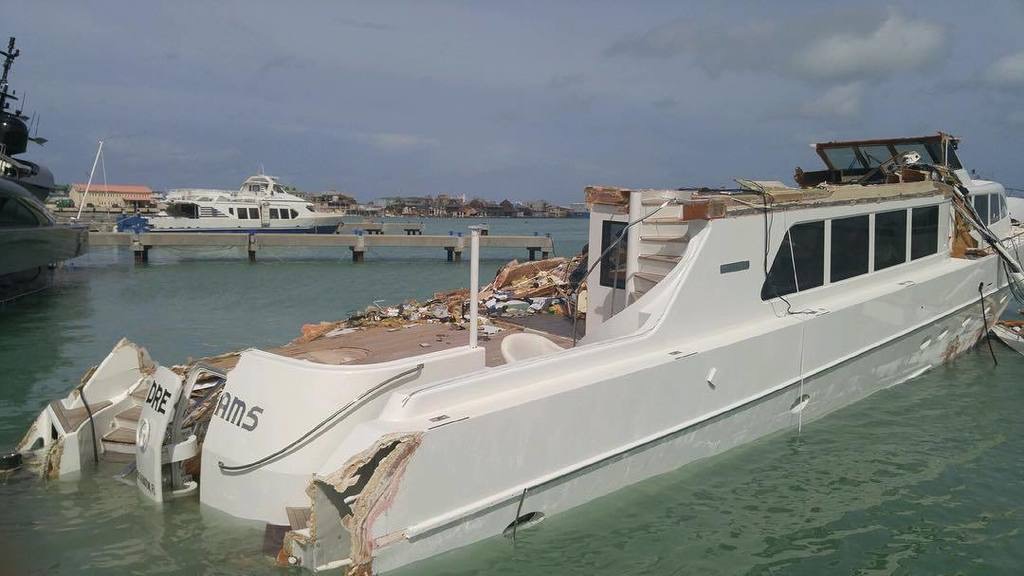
(81, 203)
(9, 57)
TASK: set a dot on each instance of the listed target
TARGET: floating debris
(518, 289)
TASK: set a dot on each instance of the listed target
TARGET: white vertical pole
(632, 240)
(89, 183)
(474, 284)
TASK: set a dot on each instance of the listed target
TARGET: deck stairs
(663, 238)
(120, 438)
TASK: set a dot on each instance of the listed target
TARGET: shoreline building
(112, 196)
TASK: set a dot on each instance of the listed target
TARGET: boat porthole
(523, 522)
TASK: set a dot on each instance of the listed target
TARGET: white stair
(120, 438)
(663, 236)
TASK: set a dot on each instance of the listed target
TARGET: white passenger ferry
(260, 205)
(714, 317)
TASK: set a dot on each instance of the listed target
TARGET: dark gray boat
(32, 243)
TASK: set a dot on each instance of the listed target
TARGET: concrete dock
(357, 244)
(409, 228)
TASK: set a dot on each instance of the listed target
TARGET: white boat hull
(319, 225)
(779, 410)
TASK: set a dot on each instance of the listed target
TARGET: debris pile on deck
(518, 289)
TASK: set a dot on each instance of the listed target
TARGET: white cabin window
(850, 242)
(924, 232)
(890, 239)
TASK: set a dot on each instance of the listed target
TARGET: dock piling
(140, 250)
(359, 248)
(253, 245)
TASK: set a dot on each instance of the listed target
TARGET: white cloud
(897, 45)
(1007, 71)
(832, 49)
(397, 142)
(843, 101)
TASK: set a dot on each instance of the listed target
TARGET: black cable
(984, 318)
(92, 423)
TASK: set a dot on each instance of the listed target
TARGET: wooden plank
(298, 518)
(132, 414)
(120, 436)
(607, 195)
(70, 420)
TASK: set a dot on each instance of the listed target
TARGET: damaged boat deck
(383, 344)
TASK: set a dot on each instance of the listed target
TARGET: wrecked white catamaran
(715, 317)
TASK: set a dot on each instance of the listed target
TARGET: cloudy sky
(523, 100)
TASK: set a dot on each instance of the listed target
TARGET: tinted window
(993, 208)
(14, 213)
(981, 207)
(875, 155)
(273, 213)
(890, 239)
(254, 213)
(613, 264)
(924, 232)
(231, 211)
(843, 158)
(1002, 207)
(243, 214)
(781, 280)
(926, 155)
(808, 242)
(805, 243)
(849, 248)
(295, 214)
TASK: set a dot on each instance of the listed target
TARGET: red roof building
(112, 195)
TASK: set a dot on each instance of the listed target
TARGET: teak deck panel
(383, 344)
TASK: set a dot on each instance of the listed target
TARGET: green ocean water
(923, 478)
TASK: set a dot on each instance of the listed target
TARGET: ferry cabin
(261, 204)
